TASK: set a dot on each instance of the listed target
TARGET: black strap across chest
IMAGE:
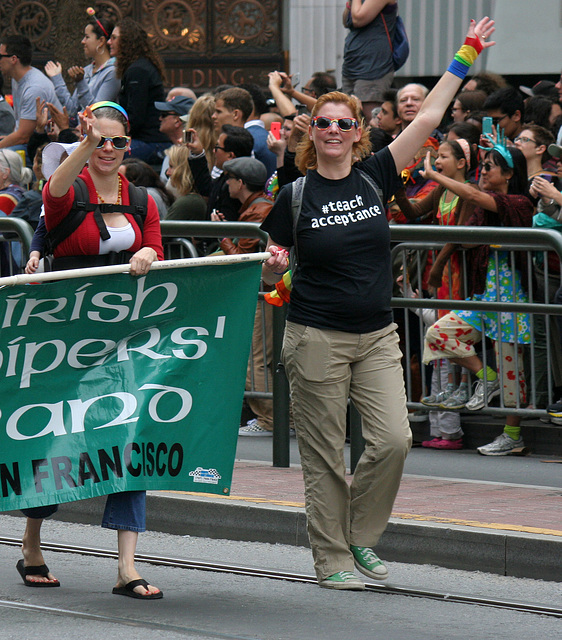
(138, 198)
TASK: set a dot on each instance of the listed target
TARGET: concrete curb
(509, 553)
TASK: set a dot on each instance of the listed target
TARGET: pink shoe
(432, 444)
(449, 444)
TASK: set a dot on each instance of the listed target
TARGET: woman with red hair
(340, 341)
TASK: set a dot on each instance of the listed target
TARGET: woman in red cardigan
(103, 146)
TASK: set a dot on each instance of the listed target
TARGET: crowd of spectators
(182, 143)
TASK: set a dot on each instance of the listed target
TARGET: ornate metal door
(204, 43)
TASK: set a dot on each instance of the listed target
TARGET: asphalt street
(203, 605)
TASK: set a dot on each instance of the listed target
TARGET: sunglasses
(487, 166)
(7, 55)
(117, 142)
(217, 146)
(344, 124)
(165, 114)
(496, 120)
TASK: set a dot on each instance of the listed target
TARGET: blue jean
(125, 510)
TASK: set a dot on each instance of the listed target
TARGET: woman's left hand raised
(482, 30)
(142, 261)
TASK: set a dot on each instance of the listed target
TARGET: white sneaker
(253, 428)
(503, 445)
(477, 400)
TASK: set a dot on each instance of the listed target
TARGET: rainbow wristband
(465, 57)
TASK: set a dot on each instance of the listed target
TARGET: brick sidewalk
(477, 504)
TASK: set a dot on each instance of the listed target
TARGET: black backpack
(138, 198)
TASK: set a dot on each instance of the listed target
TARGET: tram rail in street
(179, 563)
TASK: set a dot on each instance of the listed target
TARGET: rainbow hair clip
(112, 105)
(500, 146)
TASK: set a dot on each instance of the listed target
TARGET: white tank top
(121, 239)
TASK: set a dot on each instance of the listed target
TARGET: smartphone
(276, 130)
(295, 80)
(546, 176)
(487, 123)
(187, 136)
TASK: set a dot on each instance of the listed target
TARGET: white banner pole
(24, 278)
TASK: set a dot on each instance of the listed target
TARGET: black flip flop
(41, 570)
(129, 590)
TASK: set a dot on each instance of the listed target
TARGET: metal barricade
(272, 387)
(411, 240)
(15, 243)
(536, 243)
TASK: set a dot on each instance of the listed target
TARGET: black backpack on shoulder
(138, 199)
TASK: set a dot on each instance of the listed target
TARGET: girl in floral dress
(454, 160)
(495, 278)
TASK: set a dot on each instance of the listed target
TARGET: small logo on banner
(207, 476)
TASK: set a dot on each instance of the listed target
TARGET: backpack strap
(297, 191)
(137, 207)
(367, 178)
(138, 203)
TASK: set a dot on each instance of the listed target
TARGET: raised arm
(364, 13)
(68, 171)
(462, 189)
(283, 102)
(416, 133)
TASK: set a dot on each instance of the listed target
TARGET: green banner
(118, 383)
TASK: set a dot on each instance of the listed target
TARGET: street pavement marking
(475, 523)
(400, 516)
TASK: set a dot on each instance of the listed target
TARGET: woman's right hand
(53, 69)
(279, 261)
(89, 126)
(195, 146)
(276, 146)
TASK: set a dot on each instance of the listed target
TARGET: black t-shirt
(344, 276)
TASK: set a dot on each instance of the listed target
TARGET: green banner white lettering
(117, 383)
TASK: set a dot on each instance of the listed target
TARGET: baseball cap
(544, 88)
(179, 104)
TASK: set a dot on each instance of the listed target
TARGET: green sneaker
(367, 561)
(343, 580)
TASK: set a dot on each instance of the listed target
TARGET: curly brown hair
(135, 43)
(306, 151)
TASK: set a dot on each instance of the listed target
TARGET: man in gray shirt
(28, 84)
(7, 118)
